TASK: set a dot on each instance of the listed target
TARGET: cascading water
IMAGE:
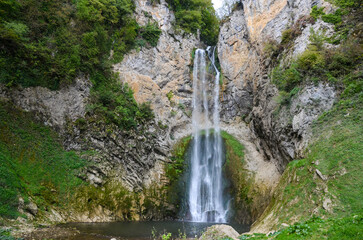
(206, 187)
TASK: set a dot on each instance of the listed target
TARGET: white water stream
(206, 201)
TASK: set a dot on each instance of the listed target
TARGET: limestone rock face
(281, 134)
(237, 59)
(52, 107)
(161, 75)
(160, 13)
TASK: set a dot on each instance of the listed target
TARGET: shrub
(317, 12)
(151, 33)
(41, 46)
(192, 15)
(286, 79)
(310, 60)
(271, 48)
(286, 36)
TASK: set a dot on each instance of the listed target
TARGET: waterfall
(206, 189)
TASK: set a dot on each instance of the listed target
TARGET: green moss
(34, 164)
(235, 170)
(176, 168)
(112, 196)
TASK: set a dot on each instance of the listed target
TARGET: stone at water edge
(216, 232)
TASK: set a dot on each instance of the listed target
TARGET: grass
(34, 164)
(317, 228)
(337, 153)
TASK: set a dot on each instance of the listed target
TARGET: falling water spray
(206, 199)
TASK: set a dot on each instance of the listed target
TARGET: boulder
(217, 232)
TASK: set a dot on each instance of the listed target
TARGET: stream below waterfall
(142, 230)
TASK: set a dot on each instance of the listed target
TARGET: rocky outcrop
(257, 177)
(53, 108)
(282, 133)
(161, 75)
(238, 59)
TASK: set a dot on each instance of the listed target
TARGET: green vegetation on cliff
(323, 191)
(327, 183)
(174, 172)
(33, 164)
(49, 43)
(194, 15)
(339, 66)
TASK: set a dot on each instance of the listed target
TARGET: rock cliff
(274, 135)
(129, 159)
(282, 134)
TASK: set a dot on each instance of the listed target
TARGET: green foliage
(284, 98)
(5, 234)
(310, 61)
(33, 163)
(236, 148)
(317, 12)
(316, 228)
(174, 172)
(8, 191)
(272, 48)
(337, 66)
(151, 33)
(286, 36)
(192, 15)
(337, 153)
(170, 95)
(333, 18)
(235, 170)
(48, 43)
(166, 236)
(176, 168)
(116, 103)
(286, 79)
(347, 3)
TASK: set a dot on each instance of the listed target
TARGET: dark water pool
(144, 230)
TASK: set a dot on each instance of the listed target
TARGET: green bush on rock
(192, 15)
